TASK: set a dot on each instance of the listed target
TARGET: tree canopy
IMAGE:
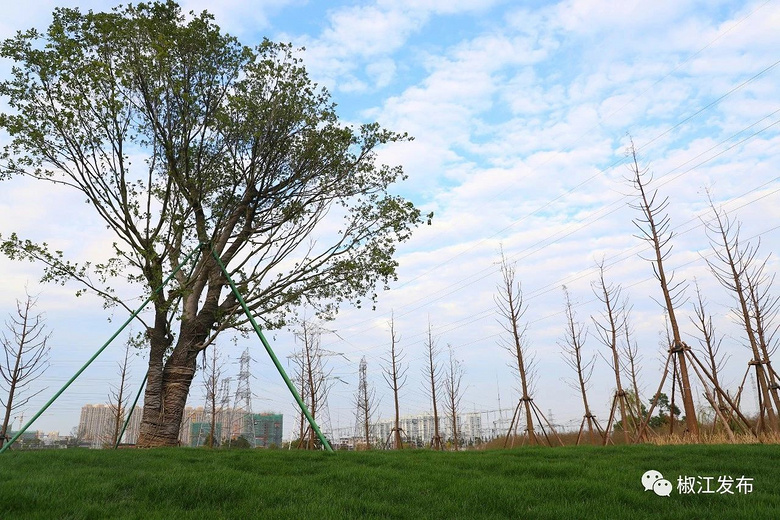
(180, 138)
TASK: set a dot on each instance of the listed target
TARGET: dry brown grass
(654, 436)
(715, 438)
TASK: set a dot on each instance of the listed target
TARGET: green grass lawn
(555, 483)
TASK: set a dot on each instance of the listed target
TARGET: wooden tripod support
(389, 435)
(540, 419)
(621, 399)
(706, 379)
(592, 421)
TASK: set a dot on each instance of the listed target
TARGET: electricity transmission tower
(243, 399)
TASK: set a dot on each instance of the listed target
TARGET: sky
(521, 114)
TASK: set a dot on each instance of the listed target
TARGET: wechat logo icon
(653, 480)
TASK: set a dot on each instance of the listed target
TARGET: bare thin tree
(608, 330)
(25, 359)
(654, 228)
(630, 350)
(313, 376)
(395, 376)
(509, 301)
(709, 342)
(765, 309)
(452, 388)
(432, 372)
(118, 398)
(365, 403)
(76, 437)
(710, 345)
(737, 268)
(212, 376)
(573, 344)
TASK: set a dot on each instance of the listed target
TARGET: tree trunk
(10, 398)
(163, 411)
(168, 385)
(454, 423)
(366, 426)
(436, 443)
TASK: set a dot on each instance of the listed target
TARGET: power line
(587, 222)
(705, 108)
(480, 315)
(572, 229)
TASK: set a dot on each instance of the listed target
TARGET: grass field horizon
(525, 482)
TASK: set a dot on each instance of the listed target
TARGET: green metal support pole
(100, 351)
(270, 351)
(135, 402)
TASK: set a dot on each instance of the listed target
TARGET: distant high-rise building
(96, 426)
(267, 430)
(199, 433)
(419, 429)
(133, 427)
(191, 416)
(97, 423)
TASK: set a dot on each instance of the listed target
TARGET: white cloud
(590, 17)
(440, 6)
(238, 17)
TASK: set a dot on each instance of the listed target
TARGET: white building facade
(419, 429)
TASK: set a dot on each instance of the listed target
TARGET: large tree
(181, 138)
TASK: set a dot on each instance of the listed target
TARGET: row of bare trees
(737, 266)
(437, 376)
